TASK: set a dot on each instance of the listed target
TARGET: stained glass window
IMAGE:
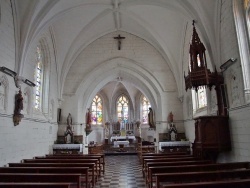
(96, 111)
(38, 77)
(145, 105)
(122, 109)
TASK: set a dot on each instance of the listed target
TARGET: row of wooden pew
(54, 171)
(180, 170)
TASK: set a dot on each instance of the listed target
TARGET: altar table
(67, 148)
(174, 144)
(117, 143)
(122, 138)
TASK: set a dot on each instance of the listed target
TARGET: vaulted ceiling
(77, 23)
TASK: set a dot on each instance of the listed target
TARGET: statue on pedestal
(106, 130)
(88, 129)
(151, 118)
(138, 127)
(69, 130)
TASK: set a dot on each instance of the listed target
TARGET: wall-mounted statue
(18, 108)
(170, 117)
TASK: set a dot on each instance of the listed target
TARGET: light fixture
(8, 71)
(18, 79)
(227, 64)
(28, 82)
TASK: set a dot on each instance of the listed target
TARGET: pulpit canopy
(198, 73)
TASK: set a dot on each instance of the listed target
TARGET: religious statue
(170, 117)
(106, 130)
(172, 132)
(69, 130)
(88, 117)
(138, 127)
(18, 103)
(18, 107)
(88, 122)
(151, 118)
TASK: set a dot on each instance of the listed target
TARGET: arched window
(122, 109)
(241, 9)
(199, 97)
(96, 110)
(38, 78)
(145, 105)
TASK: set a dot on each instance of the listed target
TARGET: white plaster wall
(238, 111)
(34, 135)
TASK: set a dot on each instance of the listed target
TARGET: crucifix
(119, 39)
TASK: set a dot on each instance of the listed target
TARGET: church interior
(123, 78)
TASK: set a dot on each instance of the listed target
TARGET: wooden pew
(98, 170)
(46, 178)
(193, 168)
(100, 164)
(91, 166)
(239, 183)
(166, 154)
(190, 177)
(76, 156)
(173, 163)
(35, 185)
(166, 159)
(56, 170)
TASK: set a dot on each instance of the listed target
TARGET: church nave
(123, 171)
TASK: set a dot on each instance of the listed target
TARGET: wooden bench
(173, 163)
(92, 178)
(76, 156)
(166, 159)
(165, 154)
(193, 168)
(35, 185)
(46, 178)
(55, 170)
(240, 183)
(98, 170)
(190, 177)
(100, 161)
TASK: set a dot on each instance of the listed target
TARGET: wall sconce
(28, 82)
(8, 71)
(18, 79)
(227, 64)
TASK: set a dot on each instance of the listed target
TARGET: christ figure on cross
(119, 39)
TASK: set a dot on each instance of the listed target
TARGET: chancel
(121, 83)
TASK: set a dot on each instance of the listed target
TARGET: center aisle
(122, 171)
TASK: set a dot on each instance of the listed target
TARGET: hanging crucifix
(119, 39)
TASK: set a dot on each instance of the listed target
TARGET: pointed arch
(42, 76)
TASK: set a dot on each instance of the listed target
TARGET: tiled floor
(122, 171)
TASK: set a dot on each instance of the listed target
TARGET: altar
(122, 138)
(67, 148)
(117, 143)
(174, 145)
